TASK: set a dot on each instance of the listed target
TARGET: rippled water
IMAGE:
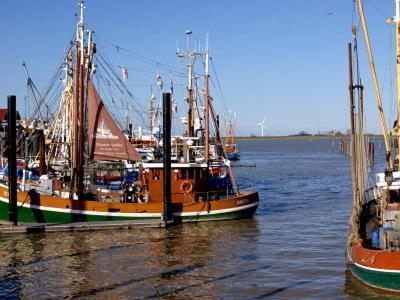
(293, 248)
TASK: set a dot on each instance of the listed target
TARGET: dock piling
(167, 156)
(12, 159)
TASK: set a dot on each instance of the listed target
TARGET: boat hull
(49, 209)
(376, 268)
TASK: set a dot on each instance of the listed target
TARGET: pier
(9, 228)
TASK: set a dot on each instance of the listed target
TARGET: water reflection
(188, 260)
(10, 282)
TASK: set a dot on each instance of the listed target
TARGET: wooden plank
(8, 228)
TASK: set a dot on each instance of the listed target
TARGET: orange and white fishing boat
(89, 170)
(373, 248)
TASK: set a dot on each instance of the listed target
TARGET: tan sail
(106, 141)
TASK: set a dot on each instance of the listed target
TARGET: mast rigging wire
(140, 57)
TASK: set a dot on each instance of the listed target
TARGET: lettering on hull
(243, 201)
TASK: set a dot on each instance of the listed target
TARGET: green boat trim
(377, 270)
(217, 215)
(85, 212)
(388, 280)
(43, 214)
(212, 212)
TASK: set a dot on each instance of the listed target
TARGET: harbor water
(294, 247)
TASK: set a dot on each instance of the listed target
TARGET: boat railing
(211, 195)
(246, 188)
(222, 193)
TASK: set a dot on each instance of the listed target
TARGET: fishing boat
(232, 150)
(373, 248)
(86, 169)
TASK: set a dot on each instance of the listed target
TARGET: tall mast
(355, 210)
(78, 157)
(191, 57)
(81, 105)
(376, 86)
(151, 111)
(396, 21)
(207, 104)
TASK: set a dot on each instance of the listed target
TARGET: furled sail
(106, 141)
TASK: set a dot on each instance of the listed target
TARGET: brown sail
(106, 141)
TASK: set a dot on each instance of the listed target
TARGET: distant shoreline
(299, 137)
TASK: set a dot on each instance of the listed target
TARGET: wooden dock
(9, 228)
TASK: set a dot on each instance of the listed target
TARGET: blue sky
(285, 60)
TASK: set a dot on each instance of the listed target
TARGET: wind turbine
(263, 126)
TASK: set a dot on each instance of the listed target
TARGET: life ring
(215, 171)
(186, 187)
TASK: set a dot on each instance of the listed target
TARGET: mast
(61, 125)
(151, 111)
(81, 118)
(357, 156)
(207, 104)
(376, 86)
(191, 57)
(352, 126)
(79, 104)
(396, 20)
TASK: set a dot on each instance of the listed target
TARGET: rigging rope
(219, 85)
(140, 57)
(119, 86)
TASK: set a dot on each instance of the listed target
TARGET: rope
(219, 84)
(140, 57)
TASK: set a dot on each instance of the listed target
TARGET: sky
(282, 60)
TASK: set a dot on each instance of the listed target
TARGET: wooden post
(167, 156)
(12, 160)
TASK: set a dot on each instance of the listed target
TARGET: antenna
(177, 48)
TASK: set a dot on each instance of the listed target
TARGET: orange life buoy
(186, 187)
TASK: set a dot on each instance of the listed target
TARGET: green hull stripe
(238, 214)
(86, 212)
(32, 215)
(384, 280)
